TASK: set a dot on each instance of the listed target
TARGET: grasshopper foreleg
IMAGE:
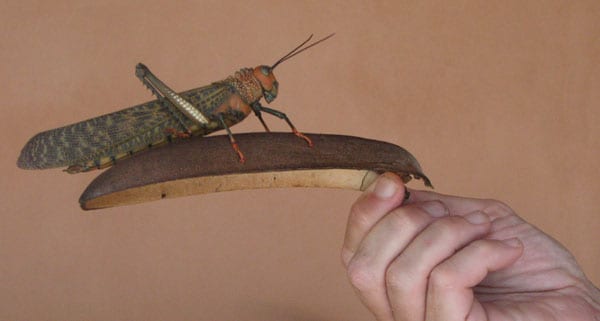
(160, 89)
(256, 107)
(234, 144)
(283, 116)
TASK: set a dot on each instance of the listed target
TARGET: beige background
(497, 99)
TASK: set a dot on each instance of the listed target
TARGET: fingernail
(477, 218)
(435, 208)
(385, 187)
(513, 242)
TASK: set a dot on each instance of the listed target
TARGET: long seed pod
(201, 165)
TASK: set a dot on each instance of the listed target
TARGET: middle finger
(381, 246)
(408, 275)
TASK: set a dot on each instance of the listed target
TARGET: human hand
(437, 257)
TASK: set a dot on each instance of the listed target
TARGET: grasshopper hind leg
(142, 73)
(169, 97)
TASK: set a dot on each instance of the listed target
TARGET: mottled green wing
(125, 131)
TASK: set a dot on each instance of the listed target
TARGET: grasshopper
(100, 142)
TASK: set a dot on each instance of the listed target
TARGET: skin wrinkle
(547, 295)
(534, 279)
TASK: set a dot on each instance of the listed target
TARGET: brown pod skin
(208, 164)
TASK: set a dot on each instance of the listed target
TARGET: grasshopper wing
(116, 134)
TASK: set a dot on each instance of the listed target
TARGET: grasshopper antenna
(297, 50)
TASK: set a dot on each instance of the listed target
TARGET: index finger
(385, 194)
(456, 205)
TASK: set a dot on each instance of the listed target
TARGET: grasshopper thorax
(268, 83)
(257, 82)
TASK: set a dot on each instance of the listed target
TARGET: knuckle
(482, 247)
(497, 207)
(360, 214)
(361, 276)
(396, 278)
(404, 277)
(407, 218)
(442, 276)
(448, 227)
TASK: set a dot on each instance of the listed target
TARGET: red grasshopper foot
(177, 133)
(236, 148)
(299, 134)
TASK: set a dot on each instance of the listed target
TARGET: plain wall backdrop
(497, 99)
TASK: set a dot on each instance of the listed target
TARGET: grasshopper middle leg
(234, 144)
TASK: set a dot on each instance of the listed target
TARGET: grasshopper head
(267, 80)
(265, 76)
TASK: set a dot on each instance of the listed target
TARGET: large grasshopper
(100, 142)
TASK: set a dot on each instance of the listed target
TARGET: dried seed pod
(205, 165)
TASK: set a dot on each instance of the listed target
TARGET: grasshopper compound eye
(265, 70)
